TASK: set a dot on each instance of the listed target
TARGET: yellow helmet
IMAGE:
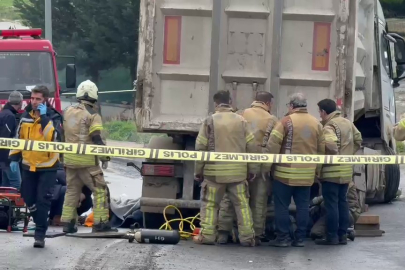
(87, 90)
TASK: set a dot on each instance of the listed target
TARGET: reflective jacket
(261, 123)
(38, 128)
(399, 130)
(353, 201)
(341, 138)
(81, 121)
(297, 133)
(225, 131)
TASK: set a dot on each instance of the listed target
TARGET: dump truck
(188, 50)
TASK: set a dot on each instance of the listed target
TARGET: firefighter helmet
(87, 90)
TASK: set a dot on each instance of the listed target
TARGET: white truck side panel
(191, 49)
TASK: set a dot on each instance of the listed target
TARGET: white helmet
(87, 90)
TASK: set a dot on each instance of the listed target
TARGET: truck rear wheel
(392, 179)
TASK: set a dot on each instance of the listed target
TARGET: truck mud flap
(156, 202)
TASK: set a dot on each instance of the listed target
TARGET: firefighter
(318, 230)
(261, 123)
(341, 138)
(297, 133)
(39, 122)
(83, 124)
(225, 131)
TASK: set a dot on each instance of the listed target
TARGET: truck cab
(188, 50)
(27, 60)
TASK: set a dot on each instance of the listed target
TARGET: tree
(33, 15)
(393, 8)
(101, 34)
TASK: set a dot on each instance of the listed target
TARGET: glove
(42, 109)
(14, 166)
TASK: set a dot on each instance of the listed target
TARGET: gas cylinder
(157, 236)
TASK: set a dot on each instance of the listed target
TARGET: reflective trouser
(259, 192)
(93, 178)
(211, 196)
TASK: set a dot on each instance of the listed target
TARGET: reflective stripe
(95, 128)
(202, 140)
(294, 173)
(27, 120)
(295, 177)
(75, 159)
(48, 129)
(337, 171)
(100, 211)
(250, 137)
(277, 134)
(402, 123)
(46, 164)
(68, 213)
(225, 169)
(208, 224)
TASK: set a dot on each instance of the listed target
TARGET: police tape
(146, 153)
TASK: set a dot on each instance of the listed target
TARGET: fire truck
(27, 60)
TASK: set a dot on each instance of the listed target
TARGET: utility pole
(48, 20)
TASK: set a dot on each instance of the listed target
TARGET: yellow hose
(189, 220)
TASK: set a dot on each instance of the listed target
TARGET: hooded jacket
(43, 128)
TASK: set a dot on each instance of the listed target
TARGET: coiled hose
(189, 220)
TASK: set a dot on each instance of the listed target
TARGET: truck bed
(188, 50)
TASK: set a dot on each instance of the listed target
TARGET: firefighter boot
(70, 227)
(103, 227)
(223, 238)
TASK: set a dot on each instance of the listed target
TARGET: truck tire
(392, 179)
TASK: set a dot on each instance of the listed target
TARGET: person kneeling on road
(225, 131)
(85, 203)
(39, 122)
(318, 211)
(82, 124)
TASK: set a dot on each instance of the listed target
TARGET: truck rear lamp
(158, 170)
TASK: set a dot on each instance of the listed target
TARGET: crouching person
(318, 231)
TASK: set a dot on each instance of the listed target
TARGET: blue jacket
(8, 124)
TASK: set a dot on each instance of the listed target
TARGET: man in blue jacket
(8, 124)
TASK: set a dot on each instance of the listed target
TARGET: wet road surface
(381, 253)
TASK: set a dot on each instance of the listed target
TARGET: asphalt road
(382, 253)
